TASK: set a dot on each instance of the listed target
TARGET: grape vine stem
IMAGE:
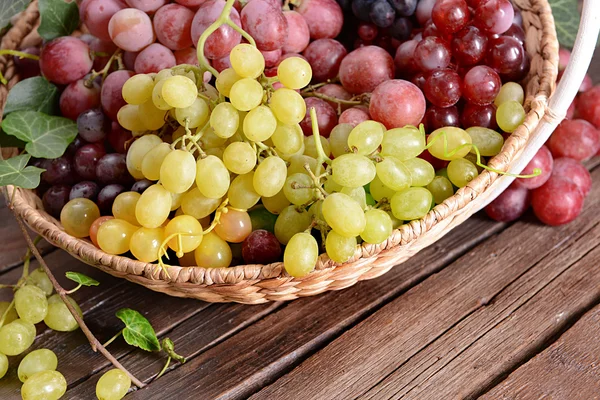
(16, 53)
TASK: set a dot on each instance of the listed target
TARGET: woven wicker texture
(255, 284)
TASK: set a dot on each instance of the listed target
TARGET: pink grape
(564, 56)
(474, 115)
(129, 59)
(147, 6)
(325, 57)
(298, 33)
(469, 46)
(265, 23)
(186, 56)
(544, 161)
(327, 117)
(432, 53)
(190, 3)
(65, 60)
(424, 10)
(324, 18)
(397, 103)
(96, 15)
(481, 85)
(443, 88)
(271, 57)
(223, 63)
(261, 247)
(173, 26)
(575, 138)
(510, 205)
(494, 16)
(118, 137)
(571, 110)
(154, 58)
(131, 29)
(336, 91)
(557, 202)
(450, 16)
(354, 115)
(365, 68)
(588, 106)
(405, 58)
(77, 98)
(111, 95)
(221, 41)
(575, 172)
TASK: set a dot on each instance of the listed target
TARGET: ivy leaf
(10, 8)
(81, 279)
(138, 331)
(33, 94)
(15, 171)
(566, 18)
(59, 18)
(46, 136)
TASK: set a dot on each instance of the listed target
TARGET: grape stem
(332, 99)
(104, 71)
(94, 343)
(10, 307)
(16, 53)
(112, 339)
(76, 288)
(8, 286)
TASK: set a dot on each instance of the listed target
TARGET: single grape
(300, 255)
(262, 218)
(397, 103)
(338, 139)
(147, 6)
(558, 201)
(298, 164)
(111, 95)
(241, 192)
(259, 124)
(220, 42)
(179, 91)
(340, 248)
(96, 15)
(94, 229)
(213, 252)
(261, 247)
(294, 73)
(113, 385)
(145, 243)
(287, 139)
(270, 176)
(469, 46)
(119, 138)
(432, 53)
(510, 205)
(436, 117)
(494, 16)
(326, 117)
(172, 24)
(403, 143)
(78, 215)
(124, 207)
(505, 55)
(298, 36)
(78, 97)
(412, 203)
(16, 337)
(574, 171)
(510, 91)
(107, 196)
(290, 222)
(352, 170)
(481, 85)
(114, 236)
(188, 225)
(354, 116)
(112, 168)
(366, 137)
(153, 206)
(131, 29)
(394, 174)
(189, 55)
(577, 139)
(45, 385)
(378, 226)
(93, 125)
(443, 88)
(212, 177)
(265, 23)
(450, 16)
(37, 361)
(461, 172)
(3, 365)
(247, 61)
(488, 142)
(246, 94)
(588, 106)
(404, 59)
(299, 189)
(65, 60)
(510, 115)
(363, 69)
(224, 120)
(343, 214)
(481, 116)
(31, 303)
(323, 17)
(154, 58)
(60, 170)
(234, 226)
(421, 171)
(276, 204)
(441, 188)
(39, 278)
(55, 198)
(198, 206)
(451, 144)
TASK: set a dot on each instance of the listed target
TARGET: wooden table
(501, 311)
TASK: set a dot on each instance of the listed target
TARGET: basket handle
(562, 97)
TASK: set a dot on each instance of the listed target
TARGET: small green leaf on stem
(566, 19)
(138, 331)
(59, 18)
(10, 8)
(33, 94)
(15, 171)
(169, 347)
(82, 279)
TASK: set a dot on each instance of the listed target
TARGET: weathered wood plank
(259, 354)
(568, 369)
(381, 344)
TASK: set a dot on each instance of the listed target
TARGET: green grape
(394, 174)
(3, 365)
(113, 385)
(138, 89)
(215, 151)
(145, 243)
(421, 171)
(259, 124)
(441, 188)
(153, 206)
(366, 137)
(16, 337)
(45, 385)
(38, 278)
(247, 61)
(338, 139)
(129, 117)
(59, 317)
(178, 171)
(210, 140)
(124, 207)
(442, 172)
(179, 91)
(411, 203)
(379, 191)
(114, 236)
(340, 248)
(446, 148)
(357, 194)
(196, 114)
(473, 158)
(241, 192)
(270, 176)
(300, 255)
(162, 75)
(310, 147)
(246, 94)
(184, 224)
(403, 143)
(153, 159)
(136, 152)
(289, 222)
(395, 221)
(225, 81)
(288, 157)
(261, 218)
(276, 204)
(510, 115)
(510, 91)
(157, 96)
(11, 315)
(461, 172)
(331, 186)
(37, 361)
(176, 199)
(298, 163)
(31, 303)
(343, 214)
(378, 226)
(213, 252)
(352, 170)
(488, 142)
(294, 72)
(288, 106)
(212, 177)
(78, 215)
(299, 189)
(198, 205)
(287, 139)
(239, 158)
(316, 210)
(224, 120)
(152, 117)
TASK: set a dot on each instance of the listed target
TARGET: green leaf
(15, 171)
(46, 136)
(81, 279)
(138, 331)
(33, 94)
(59, 18)
(10, 8)
(566, 18)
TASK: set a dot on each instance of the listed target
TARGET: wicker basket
(255, 284)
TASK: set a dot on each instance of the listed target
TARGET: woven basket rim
(28, 206)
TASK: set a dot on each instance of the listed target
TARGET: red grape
(58, 171)
(575, 138)
(574, 171)
(154, 58)
(397, 103)
(298, 33)
(173, 26)
(323, 17)
(510, 205)
(223, 63)
(443, 88)
(469, 46)
(96, 15)
(450, 16)
(27, 67)
(112, 168)
(72, 148)
(588, 106)
(516, 32)
(85, 189)
(435, 162)
(558, 201)
(129, 59)
(519, 73)
(271, 57)
(474, 115)
(505, 55)
(93, 125)
(481, 85)
(405, 58)
(571, 110)
(365, 68)
(111, 95)
(436, 117)
(325, 57)
(86, 158)
(107, 196)
(494, 16)
(77, 98)
(354, 115)
(432, 53)
(261, 247)
(99, 46)
(424, 10)
(55, 199)
(147, 6)
(118, 138)
(65, 60)
(336, 91)
(265, 23)
(131, 29)
(544, 161)
(367, 31)
(190, 3)
(221, 41)
(187, 56)
(327, 117)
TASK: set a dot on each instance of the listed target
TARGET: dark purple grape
(505, 55)
(520, 73)
(141, 186)
(55, 199)
(474, 115)
(261, 247)
(362, 8)
(404, 8)
(58, 171)
(515, 31)
(86, 158)
(85, 189)
(107, 196)
(93, 125)
(401, 29)
(382, 14)
(112, 168)
(437, 117)
(75, 144)
(118, 138)
(27, 67)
